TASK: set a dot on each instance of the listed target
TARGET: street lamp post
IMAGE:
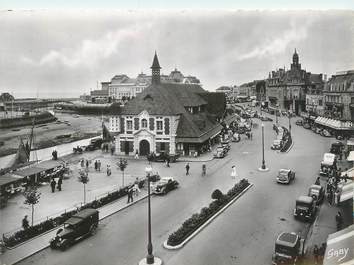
(150, 259)
(263, 167)
(289, 122)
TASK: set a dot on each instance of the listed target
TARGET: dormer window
(144, 123)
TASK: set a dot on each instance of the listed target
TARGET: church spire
(155, 70)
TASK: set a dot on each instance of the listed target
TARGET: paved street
(243, 234)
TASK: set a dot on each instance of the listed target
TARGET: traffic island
(197, 222)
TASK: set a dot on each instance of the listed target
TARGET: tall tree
(32, 198)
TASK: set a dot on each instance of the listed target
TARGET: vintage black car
(305, 208)
(82, 224)
(317, 193)
(162, 157)
(163, 186)
(289, 249)
(285, 176)
(299, 122)
(94, 144)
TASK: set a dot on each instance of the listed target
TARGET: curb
(166, 246)
(42, 248)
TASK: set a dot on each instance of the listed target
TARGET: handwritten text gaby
(337, 253)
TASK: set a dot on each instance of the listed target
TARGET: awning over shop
(347, 191)
(8, 179)
(29, 171)
(50, 164)
(208, 135)
(339, 250)
(335, 124)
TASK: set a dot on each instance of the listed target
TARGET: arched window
(144, 123)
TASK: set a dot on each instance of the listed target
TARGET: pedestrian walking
(317, 182)
(321, 252)
(25, 223)
(168, 161)
(52, 185)
(251, 135)
(316, 253)
(87, 164)
(187, 169)
(203, 169)
(109, 172)
(233, 172)
(130, 195)
(136, 154)
(339, 221)
(96, 165)
(99, 165)
(136, 187)
(60, 182)
(82, 163)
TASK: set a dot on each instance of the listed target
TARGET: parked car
(325, 133)
(299, 122)
(317, 193)
(94, 144)
(337, 148)
(220, 152)
(289, 249)
(328, 163)
(277, 144)
(162, 157)
(285, 176)
(305, 208)
(82, 224)
(306, 125)
(163, 186)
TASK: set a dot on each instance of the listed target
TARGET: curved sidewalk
(30, 247)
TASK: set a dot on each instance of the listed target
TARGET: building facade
(168, 117)
(339, 96)
(287, 89)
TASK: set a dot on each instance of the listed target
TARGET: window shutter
(151, 123)
(136, 124)
(122, 125)
(167, 126)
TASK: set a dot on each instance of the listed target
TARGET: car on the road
(328, 163)
(94, 144)
(164, 185)
(82, 224)
(285, 176)
(162, 157)
(317, 193)
(277, 144)
(220, 152)
(306, 125)
(289, 249)
(325, 133)
(299, 122)
(305, 208)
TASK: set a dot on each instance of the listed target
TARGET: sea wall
(40, 118)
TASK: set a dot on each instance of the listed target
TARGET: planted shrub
(196, 220)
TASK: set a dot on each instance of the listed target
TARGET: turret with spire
(155, 71)
(295, 64)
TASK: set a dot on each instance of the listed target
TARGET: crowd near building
(170, 115)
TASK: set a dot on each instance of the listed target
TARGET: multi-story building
(339, 96)
(287, 89)
(122, 87)
(168, 117)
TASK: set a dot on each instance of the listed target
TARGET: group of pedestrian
(98, 165)
(332, 189)
(53, 183)
(319, 252)
(55, 155)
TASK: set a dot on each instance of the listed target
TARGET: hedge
(198, 219)
(21, 236)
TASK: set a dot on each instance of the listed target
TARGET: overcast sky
(64, 54)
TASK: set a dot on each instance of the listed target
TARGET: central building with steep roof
(168, 117)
